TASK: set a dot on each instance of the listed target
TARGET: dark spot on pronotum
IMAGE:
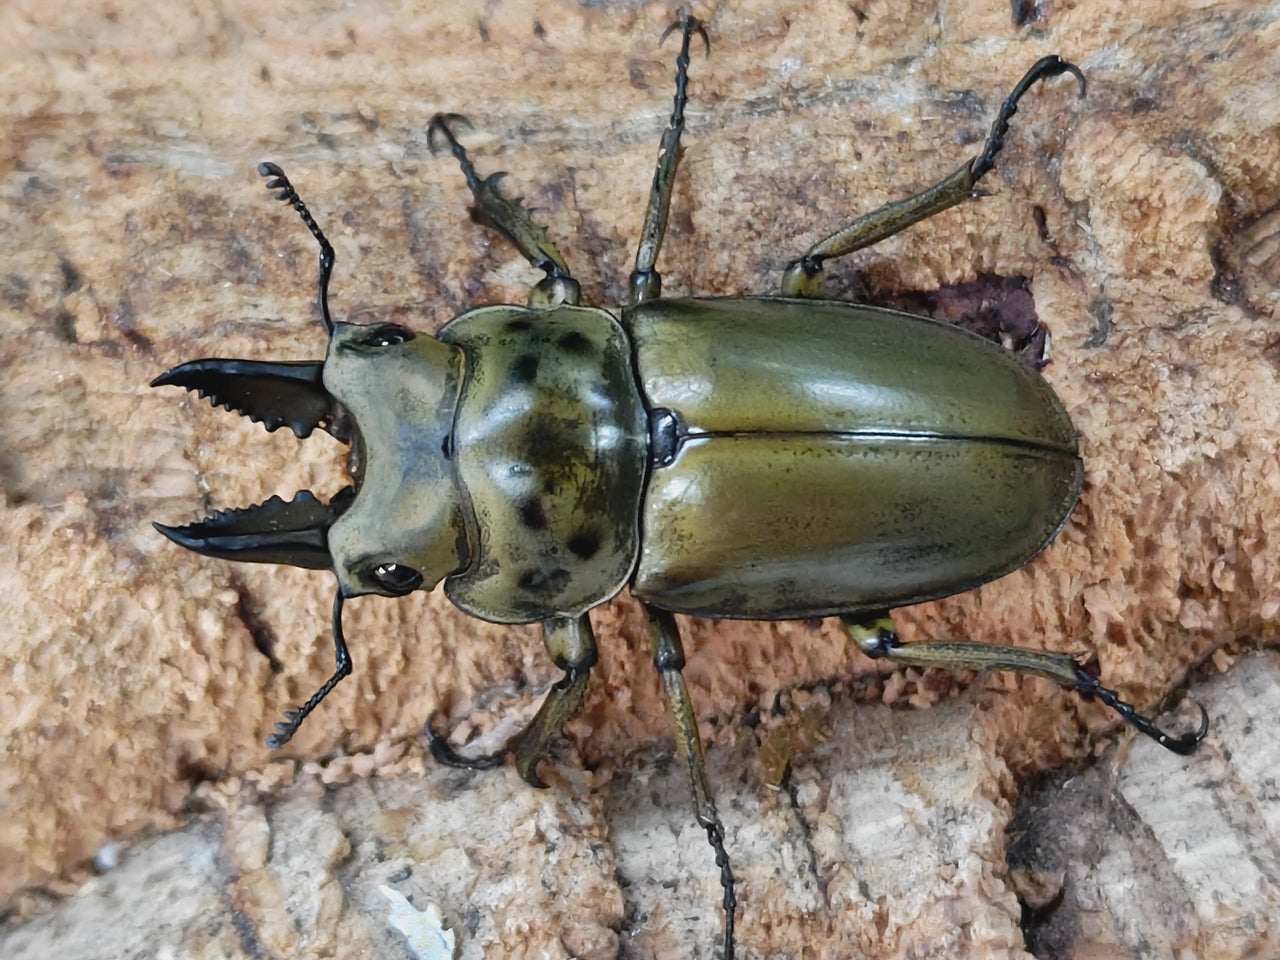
(519, 326)
(544, 581)
(574, 342)
(585, 544)
(446, 446)
(525, 368)
(542, 436)
(532, 514)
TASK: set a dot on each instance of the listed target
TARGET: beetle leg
(511, 219)
(287, 727)
(572, 647)
(803, 276)
(876, 637)
(668, 657)
(646, 282)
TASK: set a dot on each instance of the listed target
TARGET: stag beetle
(538, 459)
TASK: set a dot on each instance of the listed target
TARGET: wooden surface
(141, 680)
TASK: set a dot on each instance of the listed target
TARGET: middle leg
(646, 282)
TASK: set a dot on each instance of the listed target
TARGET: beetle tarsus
(691, 25)
(1042, 69)
(1185, 744)
(439, 127)
(715, 836)
(446, 755)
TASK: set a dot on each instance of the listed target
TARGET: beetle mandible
(538, 459)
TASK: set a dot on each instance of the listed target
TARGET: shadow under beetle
(752, 458)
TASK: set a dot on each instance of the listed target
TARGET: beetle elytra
(539, 459)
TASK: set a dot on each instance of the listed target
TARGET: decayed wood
(888, 840)
(136, 235)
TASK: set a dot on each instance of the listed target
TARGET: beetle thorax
(549, 448)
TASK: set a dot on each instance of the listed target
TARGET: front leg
(572, 647)
(511, 219)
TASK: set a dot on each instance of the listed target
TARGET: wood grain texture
(140, 680)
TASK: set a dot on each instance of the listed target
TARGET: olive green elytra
(754, 458)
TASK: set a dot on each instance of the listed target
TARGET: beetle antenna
(286, 728)
(290, 196)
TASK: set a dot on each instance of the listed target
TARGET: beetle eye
(386, 335)
(396, 578)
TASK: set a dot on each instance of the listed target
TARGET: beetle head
(389, 394)
(392, 396)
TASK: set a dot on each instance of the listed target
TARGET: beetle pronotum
(539, 459)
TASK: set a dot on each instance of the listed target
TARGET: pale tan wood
(137, 235)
